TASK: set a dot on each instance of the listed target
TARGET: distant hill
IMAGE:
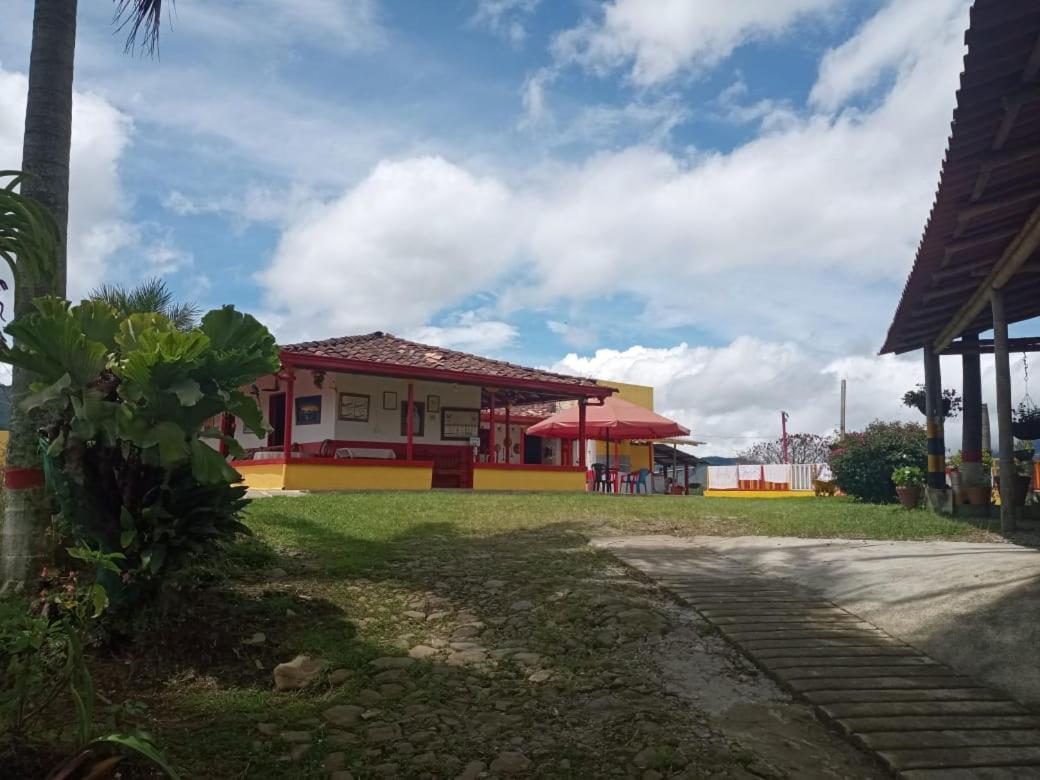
(718, 460)
(5, 407)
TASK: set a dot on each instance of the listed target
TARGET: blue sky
(720, 199)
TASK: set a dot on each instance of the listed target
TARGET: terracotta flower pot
(978, 495)
(909, 495)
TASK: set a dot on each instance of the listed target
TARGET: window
(418, 419)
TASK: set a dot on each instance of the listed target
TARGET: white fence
(797, 476)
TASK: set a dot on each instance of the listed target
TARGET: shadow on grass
(332, 594)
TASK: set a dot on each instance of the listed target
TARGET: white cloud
(256, 203)
(732, 395)
(336, 25)
(411, 238)
(573, 335)
(661, 38)
(97, 203)
(505, 18)
(776, 237)
(896, 38)
(470, 331)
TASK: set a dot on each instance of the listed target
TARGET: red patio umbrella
(616, 419)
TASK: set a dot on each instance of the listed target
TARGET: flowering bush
(863, 462)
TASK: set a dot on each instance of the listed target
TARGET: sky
(722, 200)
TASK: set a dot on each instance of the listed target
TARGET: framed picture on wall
(418, 419)
(389, 400)
(459, 424)
(308, 410)
(433, 404)
(353, 407)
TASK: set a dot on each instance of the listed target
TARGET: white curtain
(722, 477)
(779, 473)
(753, 473)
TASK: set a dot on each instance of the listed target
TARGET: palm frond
(29, 234)
(150, 297)
(141, 19)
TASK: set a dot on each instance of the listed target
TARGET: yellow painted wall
(519, 479)
(263, 476)
(638, 454)
(308, 476)
(760, 493)
(4, 436)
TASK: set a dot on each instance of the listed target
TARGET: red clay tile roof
(386, 349)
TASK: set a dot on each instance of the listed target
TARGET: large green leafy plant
(127, 454)
(863, 462)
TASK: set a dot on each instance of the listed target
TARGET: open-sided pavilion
(977, 267)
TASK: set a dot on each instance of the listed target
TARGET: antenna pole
(843, 389)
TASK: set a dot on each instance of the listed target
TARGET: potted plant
(1026, 423)
(908, 481)
(915, 399)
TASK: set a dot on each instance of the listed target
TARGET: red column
(509, 437)
(523, 446)
(686, 477)
(581, 434)
(492, 457)
(223, 448)
(410, 426)
(290, 406)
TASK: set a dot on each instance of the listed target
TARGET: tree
(801, 448)
(29, 237)
(150, 297)
(46, 152)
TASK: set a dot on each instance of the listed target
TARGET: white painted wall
(384, 425)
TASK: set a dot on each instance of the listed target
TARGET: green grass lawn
(342, 577)
(369, 522)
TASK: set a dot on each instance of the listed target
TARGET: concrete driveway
(974, 606)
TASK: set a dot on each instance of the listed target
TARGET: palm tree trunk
(45, 155)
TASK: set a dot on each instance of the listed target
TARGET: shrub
(863, 462)
(126, 455)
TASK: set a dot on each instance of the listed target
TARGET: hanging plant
(1026, 423)
(915, 399)
(1026, 419)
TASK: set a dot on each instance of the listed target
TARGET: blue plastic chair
(640, 481)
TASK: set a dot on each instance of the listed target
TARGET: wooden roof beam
(975, 241)
(1032, 267)
(945, 292)
(1013, 104)
(985, 346)
(1013, 258)
(960, 270)
(987, 207)
(1033, 64)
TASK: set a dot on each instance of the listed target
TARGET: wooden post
(934, 414)
(290, 405)
(492, 433)
(582, 459)
(410, 425)
(509, 436)
(1005, 439)
(971, 415)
